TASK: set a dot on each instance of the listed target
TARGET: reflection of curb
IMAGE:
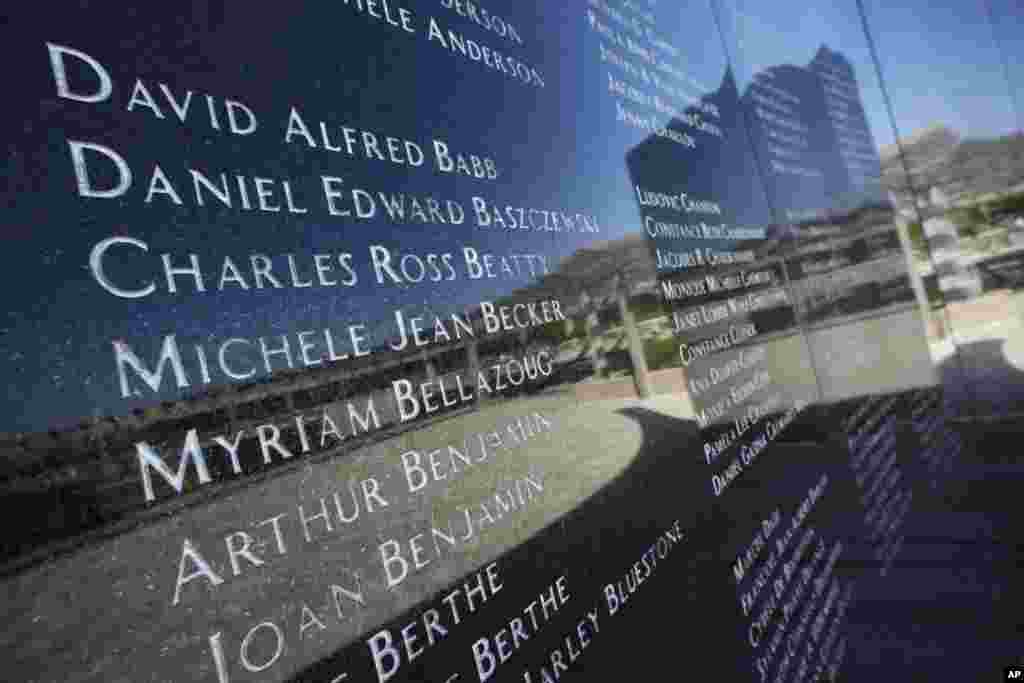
(667, 381)
(980, 310)
(597, 391)
(976, 312)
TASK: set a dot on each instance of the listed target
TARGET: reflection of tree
(939, 162)
(85, 478)
(597, 283)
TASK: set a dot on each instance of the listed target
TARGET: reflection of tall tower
(793, 148)
(812, 136)
(785, 108)
(849, 122)
(720, 168)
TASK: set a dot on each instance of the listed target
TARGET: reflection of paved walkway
(64, 616)
(591, 444)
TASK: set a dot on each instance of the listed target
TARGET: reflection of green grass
(970, 221)
(662, 353)
(646, 306)
(918, 240)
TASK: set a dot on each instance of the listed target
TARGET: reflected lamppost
(588, 312)
(621, 287)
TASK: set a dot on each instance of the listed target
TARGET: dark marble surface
(410, 342)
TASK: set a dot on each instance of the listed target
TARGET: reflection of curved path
(592, 445)
(624, 502)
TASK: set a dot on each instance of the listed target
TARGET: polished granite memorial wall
(443, 341)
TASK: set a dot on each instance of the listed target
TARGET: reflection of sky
(1006, 16)
(940, 61)
(942, 65)
(559, 147)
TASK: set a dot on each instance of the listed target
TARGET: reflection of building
(797, 147)
(813, 137)
(720, 169)
(849, 124)
(813, 157)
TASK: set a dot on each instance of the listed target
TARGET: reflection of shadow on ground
(981, 381)
(590, 543)
(660, 431)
